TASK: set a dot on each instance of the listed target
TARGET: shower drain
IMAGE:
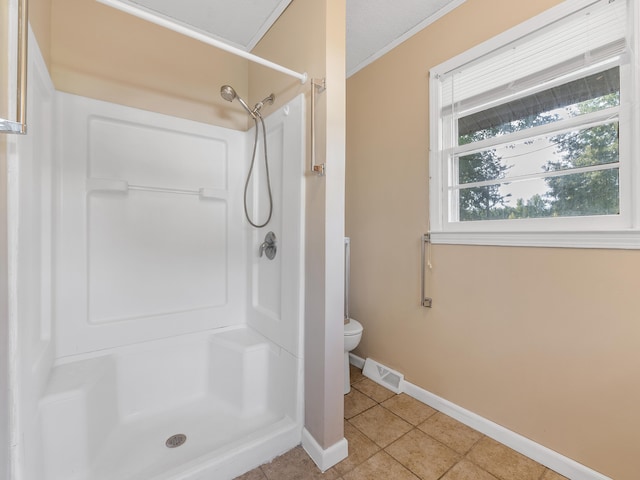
(175, 440)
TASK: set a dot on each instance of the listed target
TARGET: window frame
(614, 231)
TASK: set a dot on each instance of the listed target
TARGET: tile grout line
(462, 456)
(413, 427)
(414, 419)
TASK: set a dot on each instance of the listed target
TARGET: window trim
(620, 231)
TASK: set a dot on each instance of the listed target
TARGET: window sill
(623, 239)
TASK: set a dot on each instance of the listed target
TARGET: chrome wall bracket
(424, 301)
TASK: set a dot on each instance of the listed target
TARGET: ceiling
(376, 26)
(373, 26)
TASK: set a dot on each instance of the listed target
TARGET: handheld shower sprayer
(229, 94)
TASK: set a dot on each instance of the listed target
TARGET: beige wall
(40, 20)
(542, 341)
(100, 52)
(318, 48)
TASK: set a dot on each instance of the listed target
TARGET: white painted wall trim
(356, 361)
(622, 239)
(324, 458)
(541, 454)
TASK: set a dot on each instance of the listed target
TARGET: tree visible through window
(563, 194)
(591, 193)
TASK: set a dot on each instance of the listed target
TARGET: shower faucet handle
(268, 247)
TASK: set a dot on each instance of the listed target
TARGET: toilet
(352, 337)
(352, 328)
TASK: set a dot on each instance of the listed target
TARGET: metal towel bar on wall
(20, 123)
(321, 86)
(424, 301)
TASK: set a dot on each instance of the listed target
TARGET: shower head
(229, 94)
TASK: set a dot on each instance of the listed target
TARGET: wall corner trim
(324, 458)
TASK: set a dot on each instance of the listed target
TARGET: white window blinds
(594, 34)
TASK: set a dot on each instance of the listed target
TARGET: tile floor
(395, 437)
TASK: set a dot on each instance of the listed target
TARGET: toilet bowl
(352, 337)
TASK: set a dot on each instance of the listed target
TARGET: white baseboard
(541, 454)
(324, 458)
(356, 361)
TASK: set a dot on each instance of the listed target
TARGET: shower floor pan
(233, 395)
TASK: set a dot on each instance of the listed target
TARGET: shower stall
(149, 338)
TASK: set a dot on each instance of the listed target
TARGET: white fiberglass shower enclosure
(142, 313)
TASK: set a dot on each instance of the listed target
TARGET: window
(532, 134)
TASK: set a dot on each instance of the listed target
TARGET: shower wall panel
(275, 301)
(151, 239)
